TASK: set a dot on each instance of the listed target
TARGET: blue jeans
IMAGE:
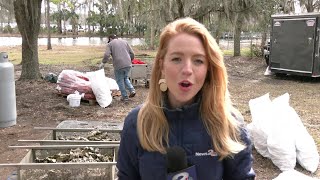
(123, 81)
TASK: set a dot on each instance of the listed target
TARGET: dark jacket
(188, 132)
(121, 52)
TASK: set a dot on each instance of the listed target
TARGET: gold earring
(163, 85)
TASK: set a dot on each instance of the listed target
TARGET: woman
(188, 105)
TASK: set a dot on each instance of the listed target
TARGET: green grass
(244, 52)
(73, 55)
(85, 55)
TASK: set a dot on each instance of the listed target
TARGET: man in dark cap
(122, 55)
(112, 36)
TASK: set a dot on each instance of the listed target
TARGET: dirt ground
(38, 105)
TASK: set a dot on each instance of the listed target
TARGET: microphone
(177, 165)
(176, 159)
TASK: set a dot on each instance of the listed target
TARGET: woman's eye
(176, 59)
(199, 61)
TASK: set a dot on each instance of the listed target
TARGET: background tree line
(138, 18)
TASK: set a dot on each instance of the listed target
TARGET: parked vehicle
(81, 29)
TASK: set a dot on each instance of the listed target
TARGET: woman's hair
(215, 104)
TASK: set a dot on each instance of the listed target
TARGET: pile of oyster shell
(87, 154)
(95, 135)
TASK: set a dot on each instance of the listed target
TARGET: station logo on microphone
(186, 174)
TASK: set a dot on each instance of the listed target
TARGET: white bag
(112, 84)
(305, 147)
(100, 87)
(293, 175)
(307, 153)
(261, 123)
(281, 140)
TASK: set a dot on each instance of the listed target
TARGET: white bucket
(74, 100)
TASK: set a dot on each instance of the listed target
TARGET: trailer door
(292, 44)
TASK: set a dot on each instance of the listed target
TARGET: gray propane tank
(8, 112)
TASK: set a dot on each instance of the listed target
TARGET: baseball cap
(112, 36)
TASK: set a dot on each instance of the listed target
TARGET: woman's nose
(187, 67)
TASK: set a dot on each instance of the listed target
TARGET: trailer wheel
(280, 75)
(147, 84)
(266, 57)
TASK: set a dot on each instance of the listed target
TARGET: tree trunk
(263, 39)
(218, 26)
(89, 16)
(167, 11)
(180, 8)
(152, 26)
(28, 16)
(49, 47)
(59, 26)
(59, 20)
(74, 23)
(237, 35)
(64, 19)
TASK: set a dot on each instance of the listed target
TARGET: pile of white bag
(92, 85)
(278, 133)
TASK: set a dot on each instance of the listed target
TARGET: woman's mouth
(185, 84)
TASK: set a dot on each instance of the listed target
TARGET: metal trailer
(139, 72)
(294, 44)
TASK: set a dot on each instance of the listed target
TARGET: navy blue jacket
(188, 132)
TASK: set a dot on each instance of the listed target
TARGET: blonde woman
(188, 105)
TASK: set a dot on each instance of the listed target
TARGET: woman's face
(185, 68)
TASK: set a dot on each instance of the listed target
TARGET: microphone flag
(185, 174)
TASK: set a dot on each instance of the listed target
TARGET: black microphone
(176, 159)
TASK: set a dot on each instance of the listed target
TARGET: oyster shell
(87, 154)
